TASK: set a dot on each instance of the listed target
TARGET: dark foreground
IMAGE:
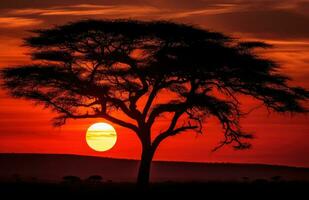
(53, 167)
(240, 190)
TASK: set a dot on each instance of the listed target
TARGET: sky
(279, 139)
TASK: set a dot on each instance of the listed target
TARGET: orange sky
(280, 139)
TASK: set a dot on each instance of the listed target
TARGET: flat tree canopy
(94, 68)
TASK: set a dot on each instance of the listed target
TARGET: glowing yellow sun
(101, 136)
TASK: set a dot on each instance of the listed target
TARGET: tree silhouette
(71, 179)
(95, 179)
(131, 73)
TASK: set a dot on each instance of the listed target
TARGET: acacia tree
(147, 70)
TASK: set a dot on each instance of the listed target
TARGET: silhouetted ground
(53, 167)
(238, 190)
(42, 176)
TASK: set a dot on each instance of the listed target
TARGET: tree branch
(122, 106)
(102, 114)
(107, 117)
(150, 99)
(168, 133)
(162, 108)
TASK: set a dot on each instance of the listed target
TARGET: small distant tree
(16, 177)
(95, 179)
(276, 178)
(245, 178)
(131, 73)
(71, 179)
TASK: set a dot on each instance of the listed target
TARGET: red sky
(280, 139)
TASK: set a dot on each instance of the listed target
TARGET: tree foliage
(94, 68)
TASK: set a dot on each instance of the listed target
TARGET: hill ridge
(161, 161)
(55, 166)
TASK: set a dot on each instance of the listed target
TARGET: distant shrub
(71, 179)
(95, 179)
(276, 178)
(34, 179)
(261, 181)
(16, 177)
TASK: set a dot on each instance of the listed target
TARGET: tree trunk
(144, 168)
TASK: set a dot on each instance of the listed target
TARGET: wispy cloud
(125, 10)
(213, 10)
(15, 22)
(26, 11)
(87, 9)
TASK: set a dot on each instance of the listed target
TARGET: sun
(101, 136)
